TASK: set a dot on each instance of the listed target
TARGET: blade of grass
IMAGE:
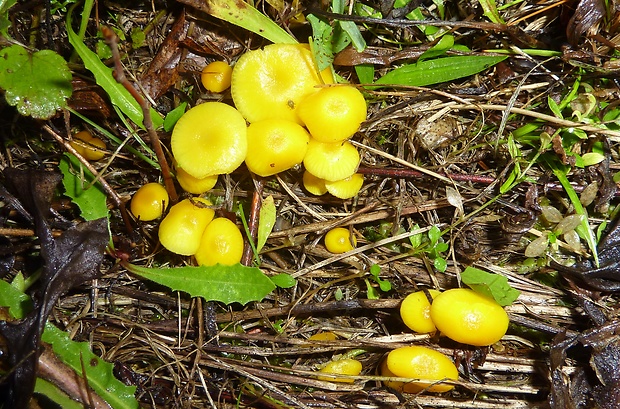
(584, 228)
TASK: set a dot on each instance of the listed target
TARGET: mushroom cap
(216, 76)
(275, 145)
(270, 83)
(333, 114)
(346, 188)
(210, 139)
(331, 161)
(182, 228)
(221, 243)
(149, 202)
(194, 185)
(314, 185)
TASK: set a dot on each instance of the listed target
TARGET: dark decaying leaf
(587, 14)
(605, 277)
(69, 260)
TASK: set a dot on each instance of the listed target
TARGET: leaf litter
(436, 154)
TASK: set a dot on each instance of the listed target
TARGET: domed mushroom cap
(314, 185)
(270, 83)
(275, 145)
(210, 139)
(331, 161)
(182, 228)
(334, 113)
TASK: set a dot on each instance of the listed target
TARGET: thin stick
(104, 184)
(119, 75)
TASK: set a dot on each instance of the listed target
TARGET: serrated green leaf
(266, 221)
(321, 41)
(99, 372)
(491, 285)
(17, 302)
(226, 284)
(91, 201)
(103, 76)
(439, 70)
(5, 22)
(283, 280)
(37, 84)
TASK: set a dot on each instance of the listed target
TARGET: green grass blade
(104, 78)
(584, 229)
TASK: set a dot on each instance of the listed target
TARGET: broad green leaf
(173, 116)
(244, 15)
(592, 158)
(38, 84)
(17, 302)
(99, 372)
(227, 284)
(283, 280)
(103, 76)
(490, 11)
(438, 49)
(554, 107)
(321, 41)
(77, 183)
(365, 73)
(439, 70)
(491, 285)
(266, 221)
(440, 264)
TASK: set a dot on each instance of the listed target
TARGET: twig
(111, 192)
(257, 199)
(119, 75)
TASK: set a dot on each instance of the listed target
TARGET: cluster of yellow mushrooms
(295, 115)
(460, 314)
(285, 114)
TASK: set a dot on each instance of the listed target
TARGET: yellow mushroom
(314, 185)
(269, 83)
(221, 243)
(210, 139)
(331, 161)
(275, 145)
(334, 113)
(346, 188)
(182, 228)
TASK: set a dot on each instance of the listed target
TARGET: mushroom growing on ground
(422, 363)
(468, 317)
(333, 113)
(314, 185)
(216, 76)
(88, 146)
(415, 311)
(221, 243)
(194, 185)
(275, 145)
(182, 228)
(209, 139)
(331, 161)
(149, 202)
(339, 240)
(271, 82)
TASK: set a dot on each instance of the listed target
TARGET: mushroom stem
(119, 76)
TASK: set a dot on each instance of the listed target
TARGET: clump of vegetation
(170, 173)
